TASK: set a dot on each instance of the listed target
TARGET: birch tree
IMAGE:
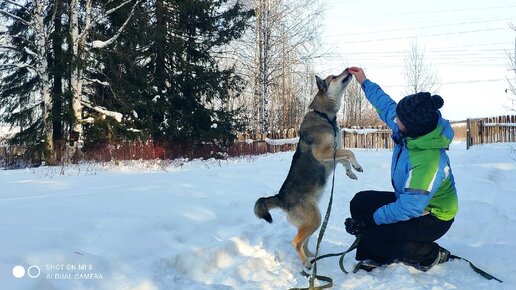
(420, 76)
(356, 109)
(512, 82)
(275, 59)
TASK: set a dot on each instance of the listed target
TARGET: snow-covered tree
(66, 65)
(189, 88)
(118, 78)
(84, 16)
(25, 88)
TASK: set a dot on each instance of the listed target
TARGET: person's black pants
(412, 240)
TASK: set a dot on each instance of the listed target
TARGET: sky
(465, 42)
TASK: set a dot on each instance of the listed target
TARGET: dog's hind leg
(308, 253)
(308, 219)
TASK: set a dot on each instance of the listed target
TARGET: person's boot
(367, 265)
(443, 255)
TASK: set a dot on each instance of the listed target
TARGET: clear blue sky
(465, 41)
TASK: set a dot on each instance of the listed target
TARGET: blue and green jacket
(420, 171)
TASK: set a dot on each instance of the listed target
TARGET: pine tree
(25, 87)
(190, 90)
(121, 78)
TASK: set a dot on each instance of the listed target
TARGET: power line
(451, 51)
(453, 82)
(458, 46)
(428, 35)
(426, 57)
(422, 27)
(433, 11)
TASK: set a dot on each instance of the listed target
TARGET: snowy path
(193, 227)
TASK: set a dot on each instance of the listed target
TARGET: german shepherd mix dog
(312, 164)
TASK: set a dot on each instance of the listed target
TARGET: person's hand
(357, 226)
(354, 227)
(358, 73)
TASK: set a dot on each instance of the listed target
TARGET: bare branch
(22, 65)
(102, 44)
(8, 14)
(16, 4)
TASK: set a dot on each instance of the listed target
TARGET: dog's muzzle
(347, 78)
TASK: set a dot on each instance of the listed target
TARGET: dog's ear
(321, 84)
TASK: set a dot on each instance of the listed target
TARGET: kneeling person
(403, 225)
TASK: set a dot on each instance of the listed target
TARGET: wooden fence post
(468, 134)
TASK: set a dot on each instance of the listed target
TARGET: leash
(327, 279)
(353, 246)
(313, 276)
(476, 269)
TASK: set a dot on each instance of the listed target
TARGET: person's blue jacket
(420, 171)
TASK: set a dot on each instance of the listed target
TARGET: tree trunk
(161, 34)
(57, 88)
(75, 78)
(43, 72)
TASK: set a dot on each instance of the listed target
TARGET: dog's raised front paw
(358, 168)
(351, 175)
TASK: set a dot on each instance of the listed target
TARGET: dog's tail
(264, 204)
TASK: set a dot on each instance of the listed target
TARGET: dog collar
(333, 122)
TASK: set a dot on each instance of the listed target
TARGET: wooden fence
(245, 144)
(378, 137)
(490, 130)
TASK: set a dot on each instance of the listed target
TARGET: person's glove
(357, 226)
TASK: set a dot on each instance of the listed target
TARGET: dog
(312, 164)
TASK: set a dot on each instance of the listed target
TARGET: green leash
(327, 279)
(477, 269)
(354, 246)
(341, 254)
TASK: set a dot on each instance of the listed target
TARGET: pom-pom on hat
(418, 112)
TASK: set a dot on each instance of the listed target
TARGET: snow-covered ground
(192, 226)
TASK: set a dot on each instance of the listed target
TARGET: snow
(27, 50)
(115, 115)
(282, 141)
(362, 131)
(99, 82)
(190, 225)
(499, 124)
(6, 132)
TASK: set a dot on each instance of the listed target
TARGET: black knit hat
(418, 112)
